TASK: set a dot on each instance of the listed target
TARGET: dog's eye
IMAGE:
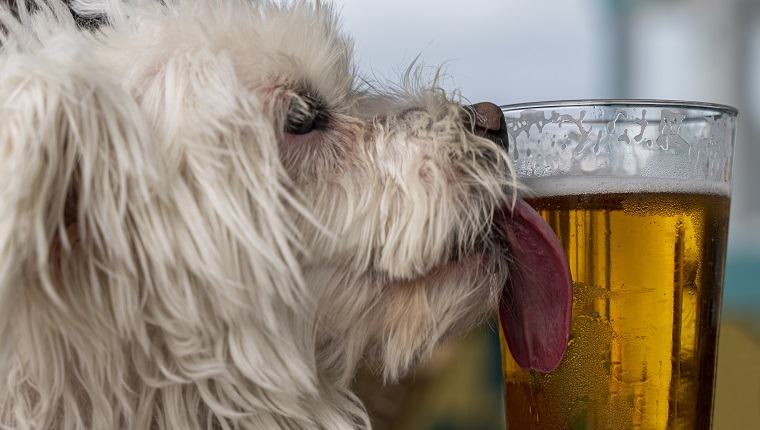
(304, 115)
(299, 123)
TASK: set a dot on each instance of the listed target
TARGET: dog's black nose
(488, 121)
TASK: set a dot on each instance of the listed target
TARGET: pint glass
(638, 194)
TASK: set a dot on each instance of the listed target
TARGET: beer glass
(638, 194)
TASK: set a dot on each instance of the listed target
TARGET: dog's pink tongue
(536, 302)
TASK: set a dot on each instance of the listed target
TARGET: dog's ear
(73, 152)
(221, 135)
(241, 293)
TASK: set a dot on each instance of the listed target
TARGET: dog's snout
(488, 121)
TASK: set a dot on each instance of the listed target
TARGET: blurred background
(514, 51)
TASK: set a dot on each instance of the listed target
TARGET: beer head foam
(578, 185)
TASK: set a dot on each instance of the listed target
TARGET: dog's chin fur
(172, 258)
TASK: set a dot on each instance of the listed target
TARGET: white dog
(208, 221)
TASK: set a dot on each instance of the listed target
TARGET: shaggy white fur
(208, 221)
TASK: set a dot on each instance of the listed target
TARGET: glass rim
(623, 102)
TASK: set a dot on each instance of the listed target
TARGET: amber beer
(647, 263)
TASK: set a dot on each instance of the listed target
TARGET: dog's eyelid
(315, 102)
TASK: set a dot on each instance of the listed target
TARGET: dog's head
(238, 219)
(410, 223)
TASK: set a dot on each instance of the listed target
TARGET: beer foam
(578, 185)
